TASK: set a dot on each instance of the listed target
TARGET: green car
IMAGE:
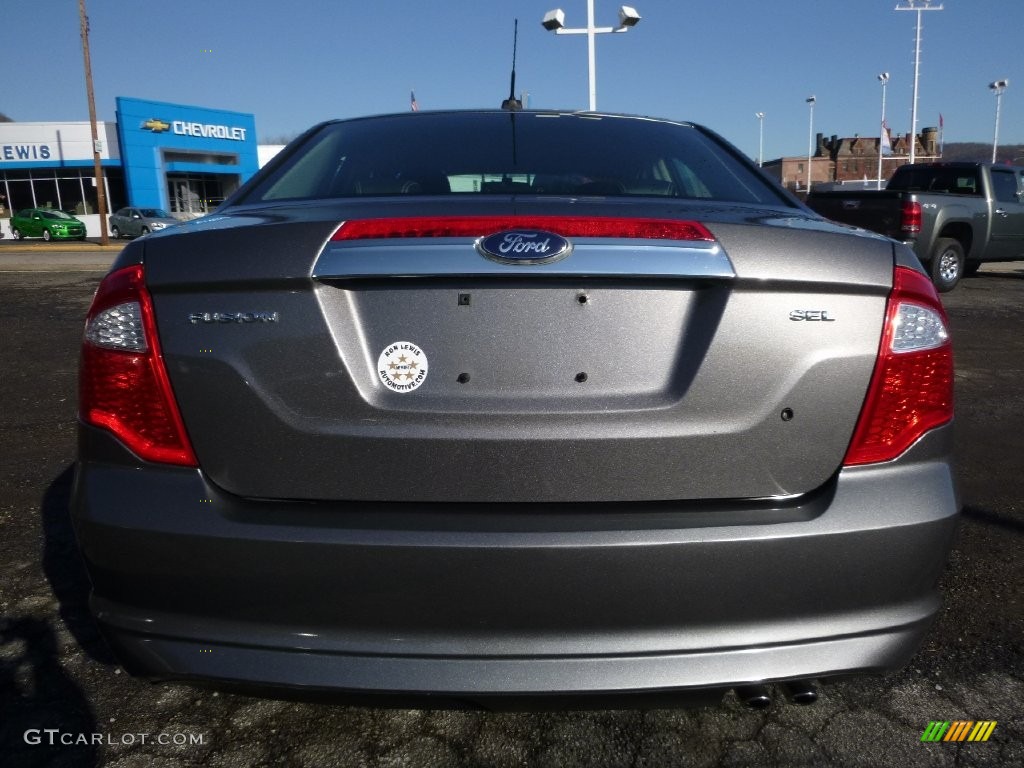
(47, 224)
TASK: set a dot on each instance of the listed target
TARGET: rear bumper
(478, 600)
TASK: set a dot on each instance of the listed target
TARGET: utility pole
(919, 6)
(101, 195)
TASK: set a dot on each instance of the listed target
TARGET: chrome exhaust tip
(800, 692)
(754, 696)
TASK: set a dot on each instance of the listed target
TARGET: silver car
(133, 222)
(517, 404)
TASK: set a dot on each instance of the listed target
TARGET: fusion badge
(232, 317)
(402, 366)
(524, 246)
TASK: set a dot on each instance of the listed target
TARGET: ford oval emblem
(524, 246)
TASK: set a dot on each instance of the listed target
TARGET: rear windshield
(925, 178)
(513, 153)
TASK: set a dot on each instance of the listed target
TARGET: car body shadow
(45, 716)
(43, 711)
(64, 569)
(994, 519)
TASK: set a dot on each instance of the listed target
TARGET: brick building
(851, 159)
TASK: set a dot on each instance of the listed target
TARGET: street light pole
(883, 133)
(760, 138)
(554, 21)
(997, 87)
(811, 100)
(912, 5)
(101, 195)
(591, 56)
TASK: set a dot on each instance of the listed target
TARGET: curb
(59, 246)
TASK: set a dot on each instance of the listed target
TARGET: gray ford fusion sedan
(515, 404)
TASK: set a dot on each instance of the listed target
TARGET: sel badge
(402, 366)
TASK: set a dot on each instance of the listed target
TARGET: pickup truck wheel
(947, 264)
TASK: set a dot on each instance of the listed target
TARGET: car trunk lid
(631, 369)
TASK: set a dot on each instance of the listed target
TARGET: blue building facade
(181, 158)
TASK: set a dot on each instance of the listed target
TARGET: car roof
(549, 112)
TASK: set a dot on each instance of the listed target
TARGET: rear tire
(115, 233)
(16, 234)
(947, 264)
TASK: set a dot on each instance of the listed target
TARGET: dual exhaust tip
(801, 692)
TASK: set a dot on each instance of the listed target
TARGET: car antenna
(512, 104)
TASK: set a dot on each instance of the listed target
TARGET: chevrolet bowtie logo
(156, 126)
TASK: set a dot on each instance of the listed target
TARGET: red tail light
(123, 385)
(911, 218)
(911, 389)
(566, 226)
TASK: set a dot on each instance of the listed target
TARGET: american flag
(412, 101)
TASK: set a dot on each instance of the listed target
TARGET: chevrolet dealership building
(183, 159)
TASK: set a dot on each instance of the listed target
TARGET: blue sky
(295, 62)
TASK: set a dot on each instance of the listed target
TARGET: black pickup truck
(955, 216)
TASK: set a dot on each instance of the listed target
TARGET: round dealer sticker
(402, 366)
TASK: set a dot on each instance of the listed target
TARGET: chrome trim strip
(443, 257)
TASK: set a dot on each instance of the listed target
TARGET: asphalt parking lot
(64, 701)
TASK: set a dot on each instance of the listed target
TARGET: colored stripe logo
(958, 730)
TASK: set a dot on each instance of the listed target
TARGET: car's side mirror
(136, 216)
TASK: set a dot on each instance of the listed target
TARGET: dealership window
(72, 194)
(19, 194)
(45, 191)
(66, 189)
(198, 193)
